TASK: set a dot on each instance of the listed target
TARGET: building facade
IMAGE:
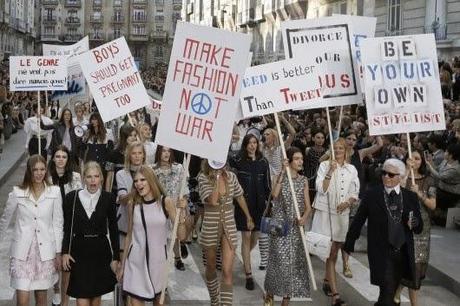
(17, 30)
(262, 19)
(147, 25)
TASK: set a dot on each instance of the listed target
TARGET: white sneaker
(56, 299)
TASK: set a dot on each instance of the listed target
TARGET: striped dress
(218, 219)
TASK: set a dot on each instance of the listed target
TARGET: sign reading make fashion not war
(38, 73)
(202, 90)
(329, 41)
(279, 86)
(75, 81)
(114, 80)
(403, 93)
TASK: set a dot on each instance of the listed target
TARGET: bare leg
(413, 297)
(40, 297)
(22, 298)
(65, 277)
(211, 276)
(136, 302)
(330, 268)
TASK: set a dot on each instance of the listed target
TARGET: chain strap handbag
(72, 221)
(271, 226)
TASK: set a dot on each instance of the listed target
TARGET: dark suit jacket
(373, 209)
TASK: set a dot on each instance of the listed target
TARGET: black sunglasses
(390, 175)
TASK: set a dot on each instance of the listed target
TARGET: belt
(41, 136)
(89, 235)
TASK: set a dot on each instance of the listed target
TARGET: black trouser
(33, 146)
(393, 275)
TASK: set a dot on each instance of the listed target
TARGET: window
(159, 2)
(159, 18)
(139, 15)
(343, 8)
(159, 51)
(139, 30)
(394, 15)
(159, 27)
(116, 32)
(49, 30)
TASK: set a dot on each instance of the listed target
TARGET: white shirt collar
(89, 200)
(396, 188)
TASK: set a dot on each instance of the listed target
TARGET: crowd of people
(97, 202)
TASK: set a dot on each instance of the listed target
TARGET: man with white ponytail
(393, 216)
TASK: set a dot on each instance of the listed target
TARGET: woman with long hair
(116, 158)
(170, 175)
(426, 192)
(145, 131)
(218, 188)
(89, 215)
(96, 143)
(34, 135)
(253, 174)
(142, 267)
(134, 158)
(62, 175)
(287, 271)
(35, 257)
(312, 159)
(64, 134)
(79, 119)
(337, 189)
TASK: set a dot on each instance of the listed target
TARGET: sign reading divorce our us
(75, 81)
(403, 93)
(280, 86)
(38, 73)
(202, 90)
(329, 41)
(114, 80)
(363, 27)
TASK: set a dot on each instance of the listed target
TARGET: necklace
(396, 217)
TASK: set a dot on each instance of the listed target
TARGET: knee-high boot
(226, 295)
(213, 287)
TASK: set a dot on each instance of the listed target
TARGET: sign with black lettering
(202, 91)
(329, 41)
(113, 79)
(402, 88)
(280, 86)
(37, 73)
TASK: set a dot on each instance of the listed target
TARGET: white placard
(114, 79)
(363, 27)
(76, 84)
(329, 41)
(403, 92)
(202, 90)
(280, 86)
(38, 73)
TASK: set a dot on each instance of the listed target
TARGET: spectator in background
(456, 82)
(446, 80)
(435, 145)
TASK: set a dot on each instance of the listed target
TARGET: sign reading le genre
(202, 90)
(37, 73)
(114, 79)
(403, 92)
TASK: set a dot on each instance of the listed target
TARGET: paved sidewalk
(13, 153)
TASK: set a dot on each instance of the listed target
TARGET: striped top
(274, 156)
(218, 219)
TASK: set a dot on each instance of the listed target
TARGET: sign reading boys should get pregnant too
(202, 90)
(114, 79)
(403, 92)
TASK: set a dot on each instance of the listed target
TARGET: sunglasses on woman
(390, 175)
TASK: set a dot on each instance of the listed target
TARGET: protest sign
(113, 79)
(202, 90)
(37, 73)
(329, 41)
(363, 27)
(75, 80)
(280, 86)
(403, 93)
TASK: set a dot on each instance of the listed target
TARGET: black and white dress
(94, 215)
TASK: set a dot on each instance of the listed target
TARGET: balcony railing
(72, 21)
(96, 19)
(159, 34)
(439, 30)
(118, 19)
(50, 2)
(72, 3)
(117, 3)
(49, 19)
(140, 2)
(72, 37)
(394, 32)
(96, 36)
(139, 36)
(97, 3)
(141, 19)
(49, 36)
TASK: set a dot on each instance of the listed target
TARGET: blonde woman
(92, 260)
(218, 188)
(142, 266)
(337, 189)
